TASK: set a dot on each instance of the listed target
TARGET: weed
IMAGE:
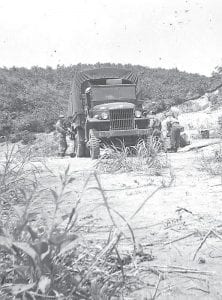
(212, 163)
(146, 155)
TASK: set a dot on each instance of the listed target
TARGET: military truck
(104, 108)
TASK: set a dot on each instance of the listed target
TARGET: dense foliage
(31, 99)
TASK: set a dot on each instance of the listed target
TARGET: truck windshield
(105, 93)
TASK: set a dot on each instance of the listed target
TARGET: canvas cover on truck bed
(81, 78)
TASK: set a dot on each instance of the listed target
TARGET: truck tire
(80, 143)
(156, 135)
(94, 145)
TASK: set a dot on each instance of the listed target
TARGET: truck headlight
(104, 116)
(138, 114)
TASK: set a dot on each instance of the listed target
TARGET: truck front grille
(122, 119)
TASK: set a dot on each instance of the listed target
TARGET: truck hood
(115, 105)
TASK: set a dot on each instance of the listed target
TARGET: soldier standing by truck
(61, 131)
(171, 129)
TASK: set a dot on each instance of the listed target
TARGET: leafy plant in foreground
(39, 261)
(32, 263)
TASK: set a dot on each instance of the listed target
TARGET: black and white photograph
(110, 150)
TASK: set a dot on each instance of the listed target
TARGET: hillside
(31, 99)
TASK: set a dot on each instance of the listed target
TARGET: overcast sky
(186, 34)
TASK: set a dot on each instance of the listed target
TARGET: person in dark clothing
(61, 132)
(175, 136)
(171, 129)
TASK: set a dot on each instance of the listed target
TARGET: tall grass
(147, 156)
(212, 162)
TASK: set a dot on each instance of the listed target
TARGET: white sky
(186, 34)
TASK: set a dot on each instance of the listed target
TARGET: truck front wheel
(94, 145)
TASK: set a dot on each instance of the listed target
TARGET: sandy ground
(191, 206)
(191, 188)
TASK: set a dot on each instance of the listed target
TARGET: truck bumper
(122, 133)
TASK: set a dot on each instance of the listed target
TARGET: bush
(212, 162)
(15, 137)
(5, 124)
(28, 123)
(25, 137)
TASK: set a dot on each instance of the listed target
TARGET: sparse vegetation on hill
(31, 99)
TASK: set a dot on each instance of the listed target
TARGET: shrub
(15, 137)
(5, 124)
(27, 137)
(28, 123)
(34, 260)
(212, 162)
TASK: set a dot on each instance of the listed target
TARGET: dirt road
(192, 189)
(190, 207)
